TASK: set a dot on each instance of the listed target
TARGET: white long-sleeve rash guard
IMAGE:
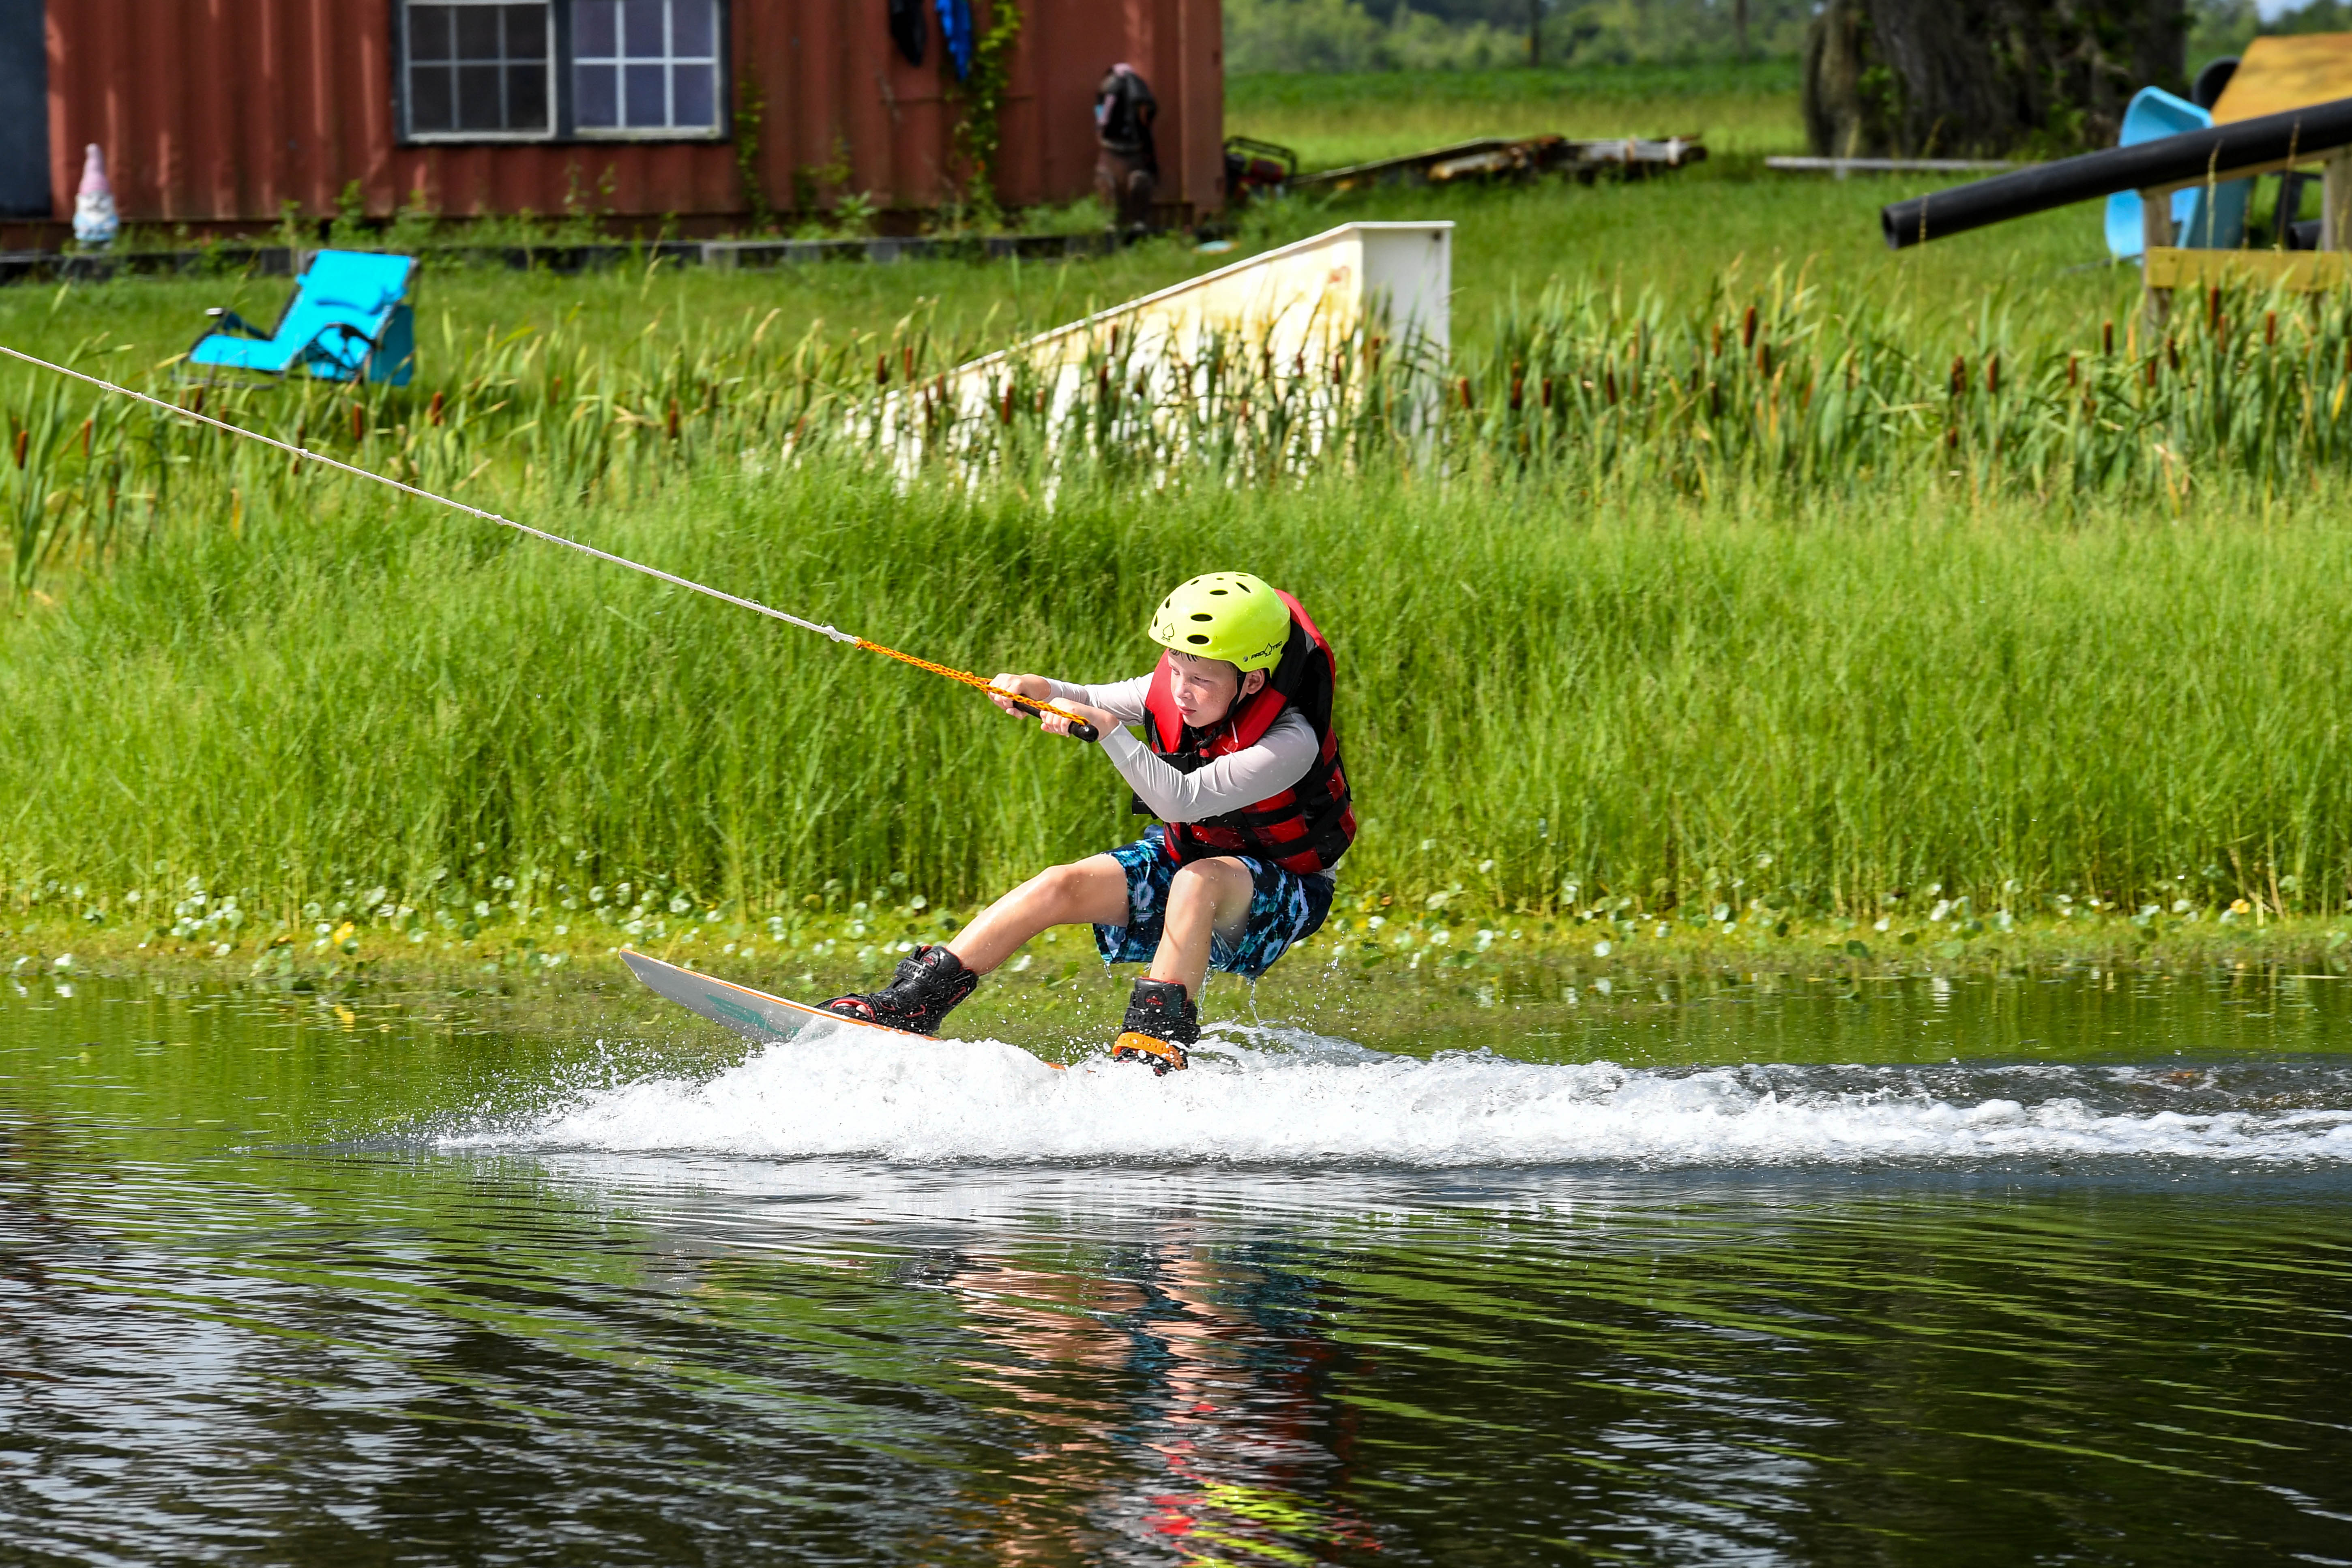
(1281, 757)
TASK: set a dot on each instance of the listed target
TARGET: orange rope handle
(969, 680)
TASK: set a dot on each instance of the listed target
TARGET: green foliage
(980, 131)
(417, 226)
(1323, 35)
(1628, 32)
(750, 124)
(349, 229)
(1352, 36)
(1638, 697)
(2220, 27)
(585, 207)
(2312, 16)
(2217, 27)
(1339, 119)
(811, 182)
(1766, 584)
(853, 213)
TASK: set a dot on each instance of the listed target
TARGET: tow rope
(1079, 728)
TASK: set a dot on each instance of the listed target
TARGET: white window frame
(717, 131)
(551, 132)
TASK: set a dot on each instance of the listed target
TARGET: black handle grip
(1078, 731)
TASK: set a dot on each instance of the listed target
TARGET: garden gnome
(96, 223)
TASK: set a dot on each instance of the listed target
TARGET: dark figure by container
(1126, 165)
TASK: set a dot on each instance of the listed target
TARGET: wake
(1285, 1097)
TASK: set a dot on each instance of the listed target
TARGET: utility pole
(1535, 32)
(1739, 27)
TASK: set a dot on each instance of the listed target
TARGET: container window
(646, 68)
(478, 68)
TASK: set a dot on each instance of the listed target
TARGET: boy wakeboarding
(1241, 765)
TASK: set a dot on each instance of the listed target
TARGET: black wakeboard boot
(1161, 1020)
(931, 982)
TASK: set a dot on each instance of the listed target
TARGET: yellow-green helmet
(1230, 615)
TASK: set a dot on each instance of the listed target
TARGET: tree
(1916, 79)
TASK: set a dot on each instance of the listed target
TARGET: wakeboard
(752, 1014)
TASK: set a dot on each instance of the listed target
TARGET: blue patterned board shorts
(1284, 908)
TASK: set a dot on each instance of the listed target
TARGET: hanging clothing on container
(1127, 162)
(955, 35)
(907, 29)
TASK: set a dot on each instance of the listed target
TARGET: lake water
(1712, 1271)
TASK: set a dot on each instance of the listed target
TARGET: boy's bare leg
(1092, 891)
(1206, 897)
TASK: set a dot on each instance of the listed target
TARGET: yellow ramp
(1290, 310)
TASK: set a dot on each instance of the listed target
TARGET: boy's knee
(1207, 875)
(1061, 879)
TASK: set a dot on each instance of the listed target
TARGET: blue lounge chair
(2203, 218)
(349, 320)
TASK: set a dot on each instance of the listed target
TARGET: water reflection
(1179, 1398)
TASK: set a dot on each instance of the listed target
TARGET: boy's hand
(1056, 725)
(1036, 688)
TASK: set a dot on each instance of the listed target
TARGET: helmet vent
(1228, 615)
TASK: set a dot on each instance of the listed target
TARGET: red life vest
(1308, 827)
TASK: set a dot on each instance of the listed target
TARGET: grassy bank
(1678, 703)
(1447, 967)
(1836, 582)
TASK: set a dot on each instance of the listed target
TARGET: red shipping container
(217, 113)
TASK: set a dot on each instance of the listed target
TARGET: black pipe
(2169, 160)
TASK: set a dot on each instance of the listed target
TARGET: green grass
(1725, 597)
(1340, 119)
(1677, 236)
(1645, 700)
(156, 319)
(1763, 380)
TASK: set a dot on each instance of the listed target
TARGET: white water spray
(1326, 1103)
